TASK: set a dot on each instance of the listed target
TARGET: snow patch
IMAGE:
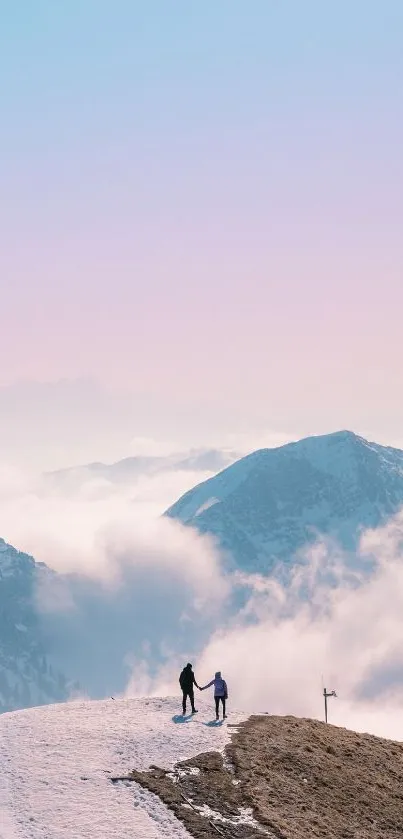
(183, 773)
(245, 817)
(206, 506)
(58, 761)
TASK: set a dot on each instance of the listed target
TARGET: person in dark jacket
(186, 681)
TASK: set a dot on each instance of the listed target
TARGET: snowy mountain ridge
(27, 676)
(267, 506)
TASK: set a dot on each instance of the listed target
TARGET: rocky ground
(288, 778)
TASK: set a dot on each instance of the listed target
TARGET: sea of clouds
(287, 644)
(137, 595)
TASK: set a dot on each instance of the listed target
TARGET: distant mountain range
(130, 469)
(269, 505)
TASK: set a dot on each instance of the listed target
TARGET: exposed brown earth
(212, 787)
(301, 778)
(308, 779)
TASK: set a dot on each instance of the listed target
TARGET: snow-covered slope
(27, 677)
(271, 503)
(56, 764)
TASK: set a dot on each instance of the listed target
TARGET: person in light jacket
(220, 694)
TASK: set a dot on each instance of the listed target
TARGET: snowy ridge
(27, 677)
(57, 762)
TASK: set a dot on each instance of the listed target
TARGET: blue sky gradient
(200, 197)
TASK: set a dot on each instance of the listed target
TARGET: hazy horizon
(46, 426)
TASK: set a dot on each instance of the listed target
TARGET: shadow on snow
(214, 723)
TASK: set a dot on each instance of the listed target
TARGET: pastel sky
(202, 205)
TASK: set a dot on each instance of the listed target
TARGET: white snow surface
(57, 761)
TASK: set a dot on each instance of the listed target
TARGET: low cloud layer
(287, 644)
(142, 594)
(72, 531)
(132, 583)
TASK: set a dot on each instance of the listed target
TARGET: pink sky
(215, 221)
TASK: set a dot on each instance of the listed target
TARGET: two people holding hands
(187, 680)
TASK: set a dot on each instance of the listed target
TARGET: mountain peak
(342, 436)
(267, 506)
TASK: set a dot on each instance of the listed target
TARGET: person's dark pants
(219, 699)
(186, 694)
